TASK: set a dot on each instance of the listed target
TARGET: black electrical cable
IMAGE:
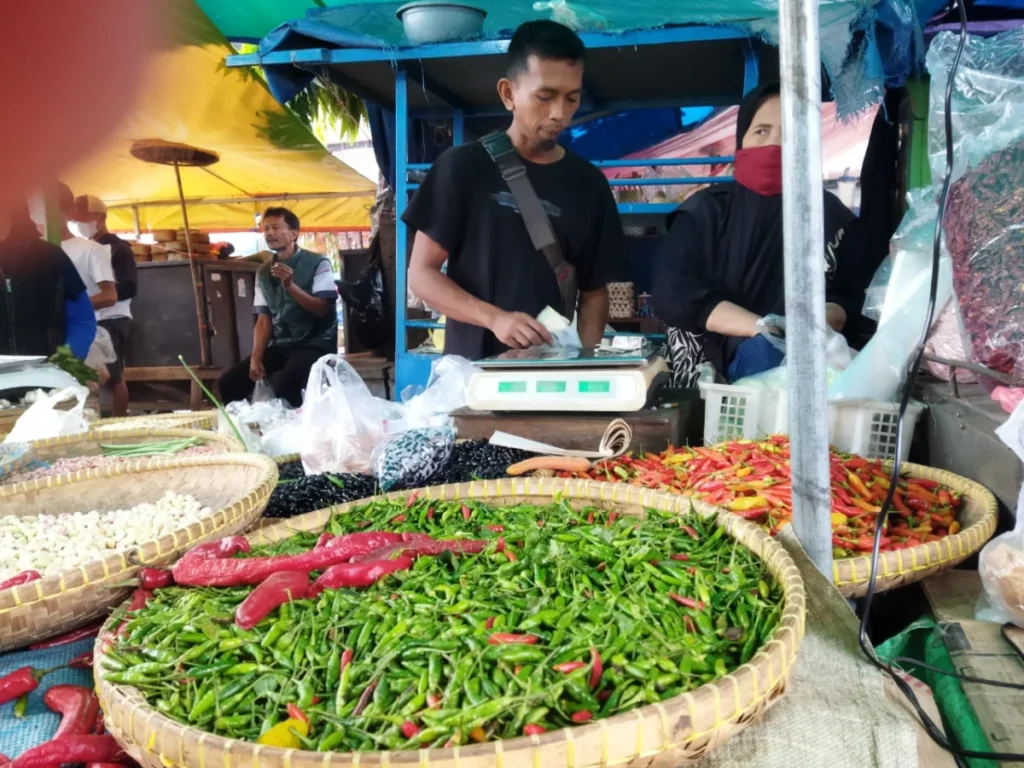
(930, 727)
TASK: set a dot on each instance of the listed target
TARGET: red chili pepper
(398, 519)
(532, 729)
(691, 531)
(505, 638)
(139, 599)
(233, 572)
(430, 513)
(25, 577)
(90, 630)
(155, 578)
(688, 624)
(78, 707)
(466, 512)
(274, 592)
(412, 499)
(295, 713)
(346, 658)
(410, 729)
(495, 528)
(324, 538)
(84, 661)
(679, 556)
(596, 667)
(688, 602)
(489, 624)
(500, 547)
(510, 556)
(71, 749)
(601, 567)
(583, 716)
(15, 684)
(4, 760)
(590, 519)
(222, 548)
(434, 700)
(355, 575)
(568, 666)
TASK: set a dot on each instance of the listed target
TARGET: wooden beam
(170, 373)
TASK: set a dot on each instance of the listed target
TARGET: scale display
(590, 389)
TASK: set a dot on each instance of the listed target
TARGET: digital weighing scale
(596, 380)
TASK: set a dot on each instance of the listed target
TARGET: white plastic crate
(862, 427)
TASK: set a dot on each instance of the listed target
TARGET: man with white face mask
(89, 215)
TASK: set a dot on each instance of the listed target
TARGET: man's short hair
(289, 218)
(545, 40)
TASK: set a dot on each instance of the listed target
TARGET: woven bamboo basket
(978, 516)
(236, 486)
(206, 420)
(88, 443)
(677, 731)
(288, 458)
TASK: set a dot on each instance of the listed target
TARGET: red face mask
(759, 169)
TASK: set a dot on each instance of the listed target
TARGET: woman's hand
(835, 316)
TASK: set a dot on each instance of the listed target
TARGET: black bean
(292, 470)
(296, 497)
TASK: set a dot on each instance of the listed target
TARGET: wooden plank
(170, 373)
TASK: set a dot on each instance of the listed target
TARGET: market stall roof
(267, 156)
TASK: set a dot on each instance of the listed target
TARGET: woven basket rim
(232, 444)
(199, 417)
(853, 572)
(57, 584)
(766, 669)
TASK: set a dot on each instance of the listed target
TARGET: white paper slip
(615, 441)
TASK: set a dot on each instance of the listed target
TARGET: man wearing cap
(90, 216)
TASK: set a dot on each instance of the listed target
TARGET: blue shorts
(753, 356)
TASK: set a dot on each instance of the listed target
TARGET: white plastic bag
(877, 371)
(262, 392)
(445, 392)
(1001, 564)
(341, 421)
(44, 420)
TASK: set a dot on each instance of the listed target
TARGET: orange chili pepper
(867, 507)
(916, 490)
(858, 485)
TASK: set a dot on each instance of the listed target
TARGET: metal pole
(803, 224)
(197, 282)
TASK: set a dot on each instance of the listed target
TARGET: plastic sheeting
(265, 152)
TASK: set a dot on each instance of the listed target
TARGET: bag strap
(538, 224)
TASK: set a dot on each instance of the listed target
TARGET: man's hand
(282, 273)
(256, 370)
(518, 330)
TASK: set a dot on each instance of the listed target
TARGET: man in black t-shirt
(464, 213)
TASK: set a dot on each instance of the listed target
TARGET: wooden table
(161, 377)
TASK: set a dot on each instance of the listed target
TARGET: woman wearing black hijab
(721, 267)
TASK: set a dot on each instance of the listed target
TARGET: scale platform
(565, 380)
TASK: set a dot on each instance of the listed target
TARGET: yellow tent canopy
(267, 156)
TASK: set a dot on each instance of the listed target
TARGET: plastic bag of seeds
(411, 458)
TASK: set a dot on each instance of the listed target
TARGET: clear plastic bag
(257, 420)
(984, 231)
(576, 16)
(445, 392)
(1001, 563)
(342, 422)
(44, 419)
(411, 458)
(837, 351)
(262, 392)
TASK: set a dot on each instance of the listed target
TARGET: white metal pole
(804, 233)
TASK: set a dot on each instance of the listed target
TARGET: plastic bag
(262, 392)
(575, 16)
(837, 350)
(410, 459)
(445, 392)
(945, 341)
(1001, 563)
(984, 230)
(44, 419)
(257, 420)
(877, 372)
(342, 423)
(987, 108)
